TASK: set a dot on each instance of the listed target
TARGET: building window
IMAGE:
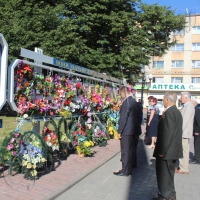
(196, 30)
(196, 47)
(177, 79)
(195, 80)
(158, 64)
(178, 47)
(181, 32)
(158, 80)
(177, 64)
(196, 64)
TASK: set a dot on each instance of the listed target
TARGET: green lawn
(10, 124)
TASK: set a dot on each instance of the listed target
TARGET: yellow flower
(34, 173)
(110, 129)
(91, 143)
(24, 163)
(29, 166)
(43, 159)
(78, 148)
(34, 166)
(86, 143)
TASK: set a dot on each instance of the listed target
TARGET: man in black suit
(129, 127)
(168, 147)
(140, 118)
(196, 132)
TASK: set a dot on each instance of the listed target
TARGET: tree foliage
(112, 36)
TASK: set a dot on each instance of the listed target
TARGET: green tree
(112, 36)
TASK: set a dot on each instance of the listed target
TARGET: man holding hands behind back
(168, 147)
(128, 131)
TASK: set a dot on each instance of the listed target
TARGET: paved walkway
(69, 172)
(103, 185)
(92, 178)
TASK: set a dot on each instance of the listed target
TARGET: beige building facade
(179, 69)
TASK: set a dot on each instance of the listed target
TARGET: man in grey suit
(168, 147)
(187, 112)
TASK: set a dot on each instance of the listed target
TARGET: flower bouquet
(32, 154)
(10, 147)
(51, 139)
(84, 148)
(100, 137)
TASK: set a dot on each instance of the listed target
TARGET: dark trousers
(165, 177)
(127, 153)
(197, 147)
(135, 152)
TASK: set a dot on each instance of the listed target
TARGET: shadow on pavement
(143, 185)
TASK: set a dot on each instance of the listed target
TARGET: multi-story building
(179, 69)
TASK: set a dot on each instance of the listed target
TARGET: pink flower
(16, 134)
(12, 140)
(13, 153)
(89, 121)
(10, 146)
(89, 114)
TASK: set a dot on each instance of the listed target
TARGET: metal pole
(142, 91)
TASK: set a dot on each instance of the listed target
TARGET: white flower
(77, 106)
(25, 116)
(72, 105)
(66, 108)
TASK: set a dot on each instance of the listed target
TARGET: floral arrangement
(10, 147)
(80, 140)
(113, 132)
(100, 137)
(79, 135)
(32, 152)
(84, 148)
(51, 139)
(57, 94)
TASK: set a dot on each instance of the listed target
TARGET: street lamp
(143, 83)
(150, 77)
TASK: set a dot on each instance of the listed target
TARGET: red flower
(78, 85)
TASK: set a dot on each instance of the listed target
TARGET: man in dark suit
(168, 147)
(196, 130)
(129, 127)
(140, 117)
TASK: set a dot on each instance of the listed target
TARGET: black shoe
(194, 162)
(119, 174)
(159, 197)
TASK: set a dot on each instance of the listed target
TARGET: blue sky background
(193, 6)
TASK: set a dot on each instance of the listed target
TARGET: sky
(193, 6)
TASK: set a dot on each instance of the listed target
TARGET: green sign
(175, 86)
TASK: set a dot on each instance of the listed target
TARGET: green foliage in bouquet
(9, 152)
(100, 138)
(85, 148)
(32, 154)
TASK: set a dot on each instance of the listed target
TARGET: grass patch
(10, 124)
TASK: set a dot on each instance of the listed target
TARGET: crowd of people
(168, 135)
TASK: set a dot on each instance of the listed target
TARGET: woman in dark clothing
(152, 122)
